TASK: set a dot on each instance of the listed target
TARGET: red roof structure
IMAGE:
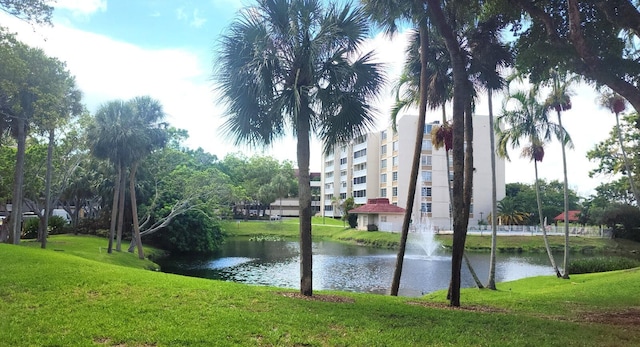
(378, 206)
(573, 216)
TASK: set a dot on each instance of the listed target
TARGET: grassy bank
(57, 298)
(330, 229)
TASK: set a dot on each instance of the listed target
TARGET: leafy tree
(293, 63)
(560, 101)
(32, 11)
(527, 120)
(509, 212)
(623, 219)
(347, 205)
(595, 39)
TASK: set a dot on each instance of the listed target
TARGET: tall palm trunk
(627, 166)
(134, 209)
(565, 275)
(121, 197)
(114, 208)
(460, 95)
(494, 199)
(18, 189)
(544, 230)
(304, 191)
(47, 190)
(415, 165)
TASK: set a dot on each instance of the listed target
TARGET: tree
(527, 120)
(281, 187)
(293, 63)
(509, 212)
(147, 133)
(595, 39)
(32, 11)
(107, 135)
(35, 90)
(560, 100)
(616, 104)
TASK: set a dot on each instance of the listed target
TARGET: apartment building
(378, 165)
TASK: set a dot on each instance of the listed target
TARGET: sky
(119, 49)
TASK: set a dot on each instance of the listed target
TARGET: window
(328, 186)
(383, 178)
(360, 153)
(425, 207)
(383, 219)
(383, 163)
(361, 139)
(383, 134)
(328, 196)
(395, 161)
(343, 172)
(328, 163)
(328, 174)
(360, 193)
(343, 196)
(426, 160)
(383, 149)
(343, 184)
(428, 128)
(360, 180)
(426, 145)
(394, 191)
(343, 161)
(395, 146)
(426, 176)
(394, 176)
(383, 192)
(426, 191)
(328, 208)
(360, 167)
(451, 176)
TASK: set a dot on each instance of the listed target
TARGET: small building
(573, 216)
(379, 214)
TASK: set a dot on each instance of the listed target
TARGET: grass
(95, 248)
(58, 298)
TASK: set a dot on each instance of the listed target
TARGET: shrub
(30, 228)
(372, 227)
(601, 264)
(353, 220)
(57, 225)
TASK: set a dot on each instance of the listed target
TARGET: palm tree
(508, 212)
(617, 104)
(388, 14)
(106, 135)
(291, 64)
(527, 120)
(147, 133)
(560, 100)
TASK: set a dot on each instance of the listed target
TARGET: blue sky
(119, 49)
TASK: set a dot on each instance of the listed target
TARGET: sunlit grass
(57, 298)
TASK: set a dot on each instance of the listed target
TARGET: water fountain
(422, 237)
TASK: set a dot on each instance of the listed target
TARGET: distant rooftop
(378, 206)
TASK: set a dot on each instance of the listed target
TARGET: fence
(588, 231)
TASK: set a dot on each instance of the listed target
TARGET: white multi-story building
(378, 165)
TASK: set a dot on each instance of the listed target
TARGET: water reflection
(338, 266)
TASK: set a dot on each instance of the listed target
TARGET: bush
(372, 227)
(57, 225)
(30, 228)
(601, 264)
(353, 220)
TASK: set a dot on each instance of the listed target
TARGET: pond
(338, 266)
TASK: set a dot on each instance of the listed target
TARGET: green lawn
(73, 298)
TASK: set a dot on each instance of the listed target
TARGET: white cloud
(197, 21)
(82, 7)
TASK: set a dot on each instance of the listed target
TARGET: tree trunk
(627, 166)
(544, 230)
(460, 95)
(415, 165)
(121, 197)
(565, 275)
(18, 189)
(114, 208)
(494, 199)
(47, 190)
(134, 209)
(304, 193)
